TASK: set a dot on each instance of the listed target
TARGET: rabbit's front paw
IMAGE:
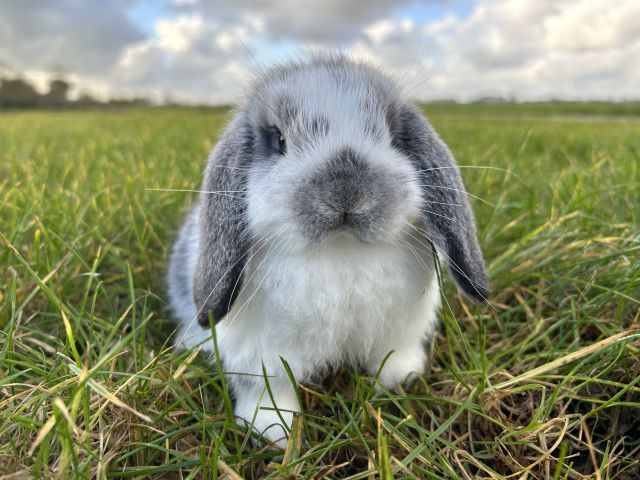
(401, 367)
(254, 408)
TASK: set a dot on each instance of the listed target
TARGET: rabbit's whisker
(445, 203)
(400, 80)
(418, 257)
(441, 187)
(450, 261)
(482, 167)
(440, 215)
(225, 193)
(266, 240)
(246, 265)
(214, 288)
(192, 321)
(284, 243)
(229, 167)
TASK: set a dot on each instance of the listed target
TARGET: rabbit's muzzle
(346, 193)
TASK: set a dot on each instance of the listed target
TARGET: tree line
(18, 93)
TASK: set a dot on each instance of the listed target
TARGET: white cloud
(323, 22)
(534, 49)
(594, 25)
(199, 51)
(189, 58)
(177, 35)
(379, 31)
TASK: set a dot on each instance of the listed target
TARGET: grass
(545, 383)
(558, 109)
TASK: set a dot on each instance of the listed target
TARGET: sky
(207, 51)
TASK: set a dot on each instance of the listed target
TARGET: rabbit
(315, 239)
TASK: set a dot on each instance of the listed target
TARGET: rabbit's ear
(447, 215)
(224, 239)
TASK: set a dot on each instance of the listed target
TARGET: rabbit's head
(325, 164)
(325, 149)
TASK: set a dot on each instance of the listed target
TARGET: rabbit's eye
(278, 143)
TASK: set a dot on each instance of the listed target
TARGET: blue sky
(146, 12)
(425, 13)
(204, 51)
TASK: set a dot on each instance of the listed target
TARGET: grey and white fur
(323, 209)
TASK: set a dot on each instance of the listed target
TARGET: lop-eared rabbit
(324, 209)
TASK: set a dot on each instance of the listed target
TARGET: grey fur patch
(224, 239)
(286, 110)
(272, 102)
(345, 192)
(318, 127)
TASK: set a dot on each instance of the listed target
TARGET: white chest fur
(339, 303)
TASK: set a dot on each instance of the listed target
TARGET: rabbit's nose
(347, 175)
(351, 203)
(342, 192)
(346, 197)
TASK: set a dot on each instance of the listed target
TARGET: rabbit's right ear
(224, 239)
(447, 215)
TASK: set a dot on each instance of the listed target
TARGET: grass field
(544, 383)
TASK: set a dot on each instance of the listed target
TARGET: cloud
(83, 37)
(323, 22)
(594, 25)
(203, 50)
(533, 49)
(197, 61)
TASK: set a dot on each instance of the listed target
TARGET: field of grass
(543, 383)
(558, 110)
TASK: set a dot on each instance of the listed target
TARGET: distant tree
(85, 100)
(491, 100)
(128, 102)
(443, 101)
(57, 94)
(140, 101)
(17, 93)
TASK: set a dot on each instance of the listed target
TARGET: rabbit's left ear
(224, 239)
(447, 215)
